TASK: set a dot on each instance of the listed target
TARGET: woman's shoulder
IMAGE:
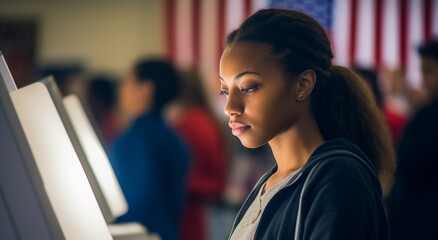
(340, 151)
(344, 163)
(340, 183)
(345, 168)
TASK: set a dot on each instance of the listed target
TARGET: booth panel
(66, 184)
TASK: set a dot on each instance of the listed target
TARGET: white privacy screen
(64, 179)
(96, 156)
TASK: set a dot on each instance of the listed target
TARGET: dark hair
(429, 50)
(164, 77)
(102, 88)
(341, 102)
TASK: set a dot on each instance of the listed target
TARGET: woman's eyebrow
(236, 78)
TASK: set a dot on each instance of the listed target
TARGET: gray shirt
(247, 227)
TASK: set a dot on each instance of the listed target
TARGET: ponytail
(344, 107)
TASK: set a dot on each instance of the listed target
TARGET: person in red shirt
(193, 119)
(393, 115)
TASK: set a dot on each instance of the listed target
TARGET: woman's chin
(250, 144)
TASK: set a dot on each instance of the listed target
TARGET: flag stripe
(170, 12)
(427, 8)
(340, 31)
(248, 8)
(391, 34)
(378, 33)
(259, 4)
(221, 28)
(209, 38)
(353, 31)
(364, 47)
(196, 21)
(435, 19)
(234, 14)
(415, 38)
(403, 32)
(184, 31)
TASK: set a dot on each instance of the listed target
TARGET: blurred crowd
(185, 176)
(412, 115)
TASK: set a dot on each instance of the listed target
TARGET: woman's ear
(306, 83)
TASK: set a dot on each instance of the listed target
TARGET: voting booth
(65, 182)
(94, 158)
(25, 209)
(103, 171)
(80, 186)
(90, 153)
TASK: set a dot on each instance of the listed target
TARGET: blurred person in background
(193, 118)
(395, 119)
(97, 92)
(395, 97)
(149, 160)
(102, 100)
(400, 99)
(70, 78)
(412, 205)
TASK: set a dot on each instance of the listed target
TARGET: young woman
(332, 147)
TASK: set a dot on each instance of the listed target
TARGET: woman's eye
(248, 90)
(223, 92)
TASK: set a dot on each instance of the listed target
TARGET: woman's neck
(293, 148)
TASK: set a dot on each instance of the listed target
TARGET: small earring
(300, 96)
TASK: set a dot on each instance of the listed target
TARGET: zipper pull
(256, 216)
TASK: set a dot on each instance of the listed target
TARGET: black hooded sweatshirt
(342, 199)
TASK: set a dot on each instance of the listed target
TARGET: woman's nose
(234, 105)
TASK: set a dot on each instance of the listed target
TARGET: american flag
(364, 33)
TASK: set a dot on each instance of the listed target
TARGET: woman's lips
(238, 128)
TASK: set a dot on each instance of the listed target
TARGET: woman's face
(261, 99)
